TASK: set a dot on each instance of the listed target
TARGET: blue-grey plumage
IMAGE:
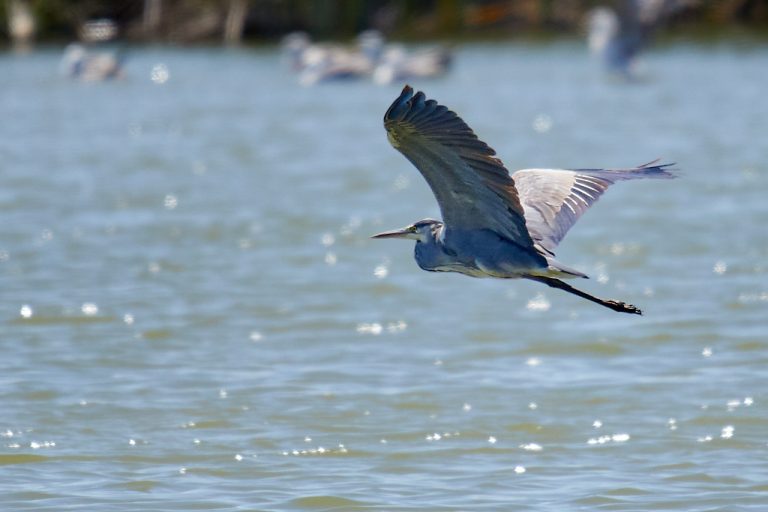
(494, 224)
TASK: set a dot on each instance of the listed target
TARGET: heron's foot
(623, 307)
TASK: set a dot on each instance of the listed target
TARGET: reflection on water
(195, 317)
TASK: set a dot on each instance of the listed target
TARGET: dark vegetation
(189, 21)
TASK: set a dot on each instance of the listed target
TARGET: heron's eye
(412, 229)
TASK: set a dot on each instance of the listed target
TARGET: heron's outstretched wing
(554, 199)
(472, 187)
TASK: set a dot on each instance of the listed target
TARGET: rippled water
(194, 317)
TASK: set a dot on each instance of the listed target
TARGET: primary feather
(554, 199)
(471, 185)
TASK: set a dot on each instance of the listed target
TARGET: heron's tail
(560, 270)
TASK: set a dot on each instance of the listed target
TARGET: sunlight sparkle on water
(381, 271)
(89, 309)
(26, 311)
(45, 444)
(159, 74)
(720, 268)
(402, 182)
(519, 469)
(373, 328)
(542, 123)
(746, 298)
(615, 438)
(320, 450)
(351, 226)
(170, 202)
(538, 303)
(395, 327)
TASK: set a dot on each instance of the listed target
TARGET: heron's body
(476, 253)
(494, 224)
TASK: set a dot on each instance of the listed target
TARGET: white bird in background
(321, 62)
(397, 65)
(91, 66)
(370, 57)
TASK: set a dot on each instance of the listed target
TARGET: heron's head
(420, 231)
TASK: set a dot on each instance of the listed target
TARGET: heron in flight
(494, 224)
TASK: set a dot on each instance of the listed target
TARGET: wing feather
(472, 187)
(554, 199)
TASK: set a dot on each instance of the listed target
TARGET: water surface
(194, 317)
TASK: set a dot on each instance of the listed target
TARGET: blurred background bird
(87, 65)
(618, 36)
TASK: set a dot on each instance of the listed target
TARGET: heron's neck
(431, 253)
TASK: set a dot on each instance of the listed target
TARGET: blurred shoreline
(258, 22)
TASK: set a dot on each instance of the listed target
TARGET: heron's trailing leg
(621, 307)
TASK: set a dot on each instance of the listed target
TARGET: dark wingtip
(660, 170)
(400, 105)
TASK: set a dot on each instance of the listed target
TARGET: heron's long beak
(395, 233)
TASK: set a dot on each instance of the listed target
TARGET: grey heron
(494, 224)
(618, 36)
